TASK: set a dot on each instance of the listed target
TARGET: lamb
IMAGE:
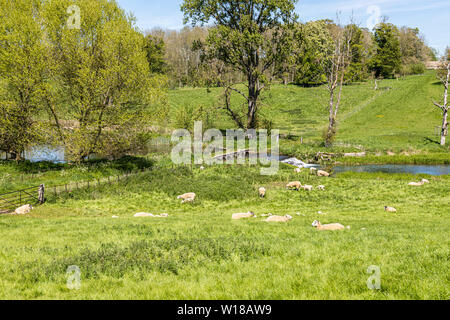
(425, 181)
(297, 170)
(262, 192)
(24, 209)
(321, 187)
(295, 184)
(389, 209)
(416, 184)
(307, 187)
(143, 214)
(187, 197)
(237, 216)
(331, 226)
(321, 173)
(286, 218)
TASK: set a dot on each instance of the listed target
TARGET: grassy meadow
(198, 252)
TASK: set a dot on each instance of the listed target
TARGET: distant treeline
(388, 51)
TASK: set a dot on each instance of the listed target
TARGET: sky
(432, 17)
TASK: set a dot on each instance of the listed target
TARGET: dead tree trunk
(444, 107)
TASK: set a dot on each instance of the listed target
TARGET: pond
(434, 170)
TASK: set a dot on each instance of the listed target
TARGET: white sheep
(237, 216)
(297, 170)
(312, 170)
(143, 214)
(416, 184)
(24, 209)
(285, 218)
(331, 226)
(321, 173)
(321, 187)
(295, 184)
(307, 187)
(389, 209)
(425, 181)
(262, 192)
(187, 197)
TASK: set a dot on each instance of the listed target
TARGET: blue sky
(432, 17)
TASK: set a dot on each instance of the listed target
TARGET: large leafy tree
(387, 59)
(249, 36)
(23, 73)
(101, 101)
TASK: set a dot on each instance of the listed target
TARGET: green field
(198, 252)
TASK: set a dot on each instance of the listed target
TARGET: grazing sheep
(389, 209)
(321, 173)
(321, 187)
(187, 197)
(237, 216)
(143, 214)
(416, 184)
(202, 168)
(23, 209)
(331, 226)
(286, 218)
(262, 192)
(297, 170)
(295, 185)
(425, 181)
(307, 187)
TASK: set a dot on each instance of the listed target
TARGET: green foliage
(155, 49)
(387, 59)
(187, 115)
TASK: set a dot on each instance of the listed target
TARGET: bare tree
(444, 77)
(336, 65)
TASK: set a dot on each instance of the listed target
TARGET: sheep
(202, 168)
(321, 187)
(23, 209)
(307, 187)
(262, 192)
(286, 218)
(115, 217)
(312, 170)
(187, 197)
(425, 181)
(321, 173)
(297, 170)
(143, 214)
(237, 216)
(416, 184)
(331, 226)
(389, 209)
(295, 184)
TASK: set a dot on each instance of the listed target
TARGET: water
(434, 170)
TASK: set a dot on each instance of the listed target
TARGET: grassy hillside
(198, 252)
(399, 116)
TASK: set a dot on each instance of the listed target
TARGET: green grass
(198, 252)
(402, 119)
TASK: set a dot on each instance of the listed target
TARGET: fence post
(41, 195)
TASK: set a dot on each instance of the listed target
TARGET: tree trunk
(444, 130)
(252, 102)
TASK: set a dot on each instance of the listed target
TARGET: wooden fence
(12, 200)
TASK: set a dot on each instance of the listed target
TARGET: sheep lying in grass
(321, 173)
(321, 187)
(237, 216)
(187, 197)
(23, 209)
(297, 170)
(425, 181)
(331, 226)
(416, 184)
(294, 185)
(285, 218)
(262, 192)
(143, 214)
(389, 209)
(307, 187)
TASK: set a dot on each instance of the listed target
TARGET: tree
(248, 36)
(101, 100)
(23, 73)
(387, 59)
(336, 65)
(444, 77)
(155, 50)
